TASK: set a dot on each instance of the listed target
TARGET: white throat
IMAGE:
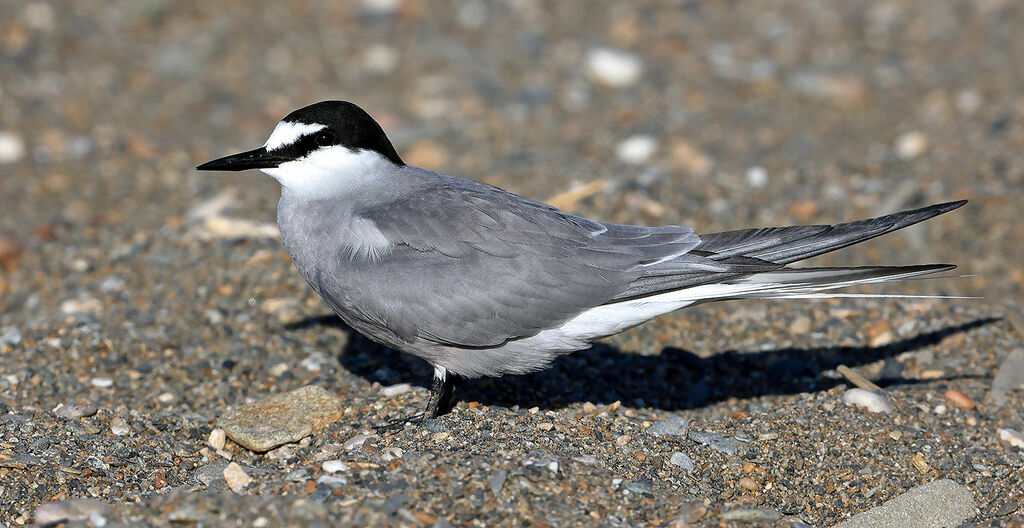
(332, 171)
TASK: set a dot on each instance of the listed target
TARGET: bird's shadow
(672, 380)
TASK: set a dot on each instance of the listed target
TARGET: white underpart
(610, 319)
(287, 133)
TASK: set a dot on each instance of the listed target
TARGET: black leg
(441, 392)
(439, 403)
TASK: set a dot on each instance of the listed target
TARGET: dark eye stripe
(306, 144)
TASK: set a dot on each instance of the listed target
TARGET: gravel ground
(142, 302)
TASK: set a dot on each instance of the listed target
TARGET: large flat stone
(937, 504)
(282, 418)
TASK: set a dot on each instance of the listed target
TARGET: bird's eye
(325, 138)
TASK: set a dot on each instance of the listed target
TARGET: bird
(479, 281)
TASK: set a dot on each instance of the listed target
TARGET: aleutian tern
(482, 282)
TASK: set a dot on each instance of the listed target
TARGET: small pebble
(844, 90)
(279, 369)
(332, 481)
(636, 150)
(757, 177)
(12, 147)
(800, 325)
(395, 390)
(297, 475)
(639, 487)
(357, 441)
(334, 466)
(497, 481)
(74, 411)
(614, 68)
(911, 145)
(11, 337)
(102, 382)
(112, 283)
(217, 439)
(920, 463)
(752, 515)
(716, 442)
(671, 426)
(86, 305)
(748, 484)
(1012, 437)
(381, 7)
(74, 510)
(871, 401)
(682, 460)
(236, 477)
(622, 440)
(692, 511)
(119, 426)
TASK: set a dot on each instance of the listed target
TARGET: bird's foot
(439, 402)
(398, 424)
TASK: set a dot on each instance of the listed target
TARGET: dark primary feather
(783, 245)
(773, 247)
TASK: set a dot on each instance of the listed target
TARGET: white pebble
(217, 439)
(71, 510)
(119, 426)
(381, 7)
(357, 441)
(85, 305)
(331, 481)
(236, 477)
(615, 68)
(102, 382)
(12, 147)
(334, 466)
(378, 58)
(279, 369)
(636, 149)
(757, 177)
(395, 390)
(1012, 437)
(911, 145)
(553, 467)
(866, 399)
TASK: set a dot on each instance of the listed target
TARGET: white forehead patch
(286, 133)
